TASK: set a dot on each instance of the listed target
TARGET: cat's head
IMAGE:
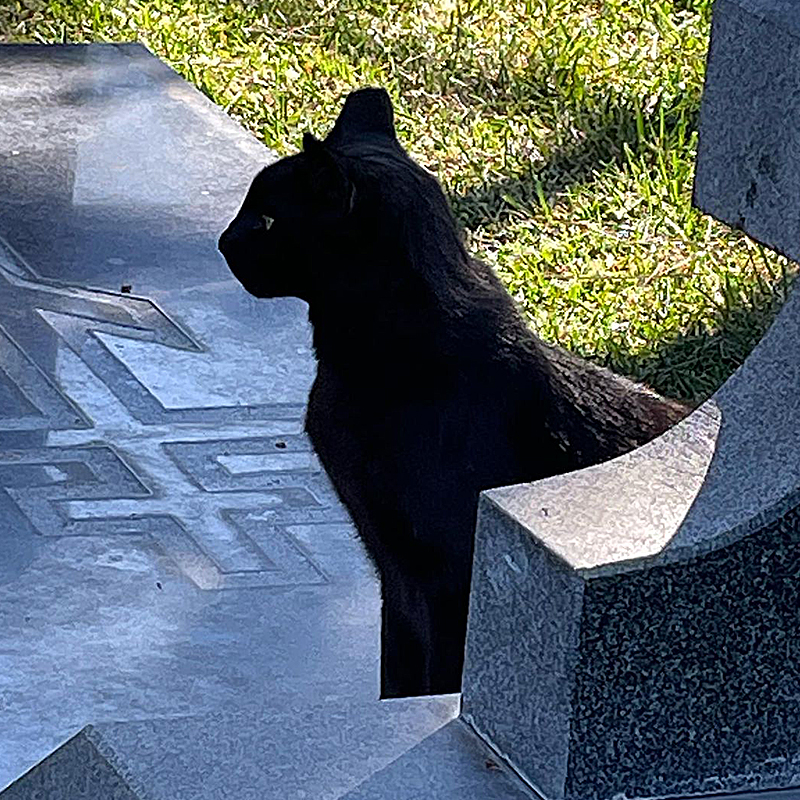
(301, 213)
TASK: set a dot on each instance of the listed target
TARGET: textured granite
(450, 764)
(748, 159)
(632, 629)
(76, 771)
(318, 751)
(699, 689)
(522, 644)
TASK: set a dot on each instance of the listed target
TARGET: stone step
(335, 749)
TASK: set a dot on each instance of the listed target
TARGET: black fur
(430, 387)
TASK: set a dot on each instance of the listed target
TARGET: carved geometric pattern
(77, 315)
(236, 465)
(41, 480)
(221, 508)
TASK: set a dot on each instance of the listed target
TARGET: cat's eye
(267, 221)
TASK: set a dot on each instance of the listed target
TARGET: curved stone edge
(619, 515)
(731, 467)
(632, 625)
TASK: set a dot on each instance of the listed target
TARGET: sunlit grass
(564, 133)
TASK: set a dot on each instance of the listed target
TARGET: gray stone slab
(169, 545)
(748, 160)
(317, 751)
(450, 764)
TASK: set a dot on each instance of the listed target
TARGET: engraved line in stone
(199, 461)
(144, 406)
(81, 313)
(233, 540)
(56, 410)
(102, 306)
(11, 261)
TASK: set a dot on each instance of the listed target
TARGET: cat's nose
(239, 231)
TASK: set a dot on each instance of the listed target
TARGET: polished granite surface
(169, 545)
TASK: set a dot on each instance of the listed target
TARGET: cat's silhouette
(430, 386)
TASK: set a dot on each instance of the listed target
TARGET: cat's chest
(424, 429)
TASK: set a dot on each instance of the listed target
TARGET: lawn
(564, 132)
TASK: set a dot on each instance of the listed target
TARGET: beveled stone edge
(87, 737)
(681, 453)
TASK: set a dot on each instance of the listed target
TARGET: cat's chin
(251, 287)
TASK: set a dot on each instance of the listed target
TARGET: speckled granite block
(522, 646)
(76, 771)
(633, 626)
(655, 677)
(748, 161)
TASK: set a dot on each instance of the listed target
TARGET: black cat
(430, 387)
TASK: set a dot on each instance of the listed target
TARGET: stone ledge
(326, 750)
(748, 161)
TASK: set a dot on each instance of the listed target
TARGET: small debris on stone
(280, 445)
(126, 288)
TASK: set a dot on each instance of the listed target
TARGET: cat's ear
(366, 112)
(328, 182)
